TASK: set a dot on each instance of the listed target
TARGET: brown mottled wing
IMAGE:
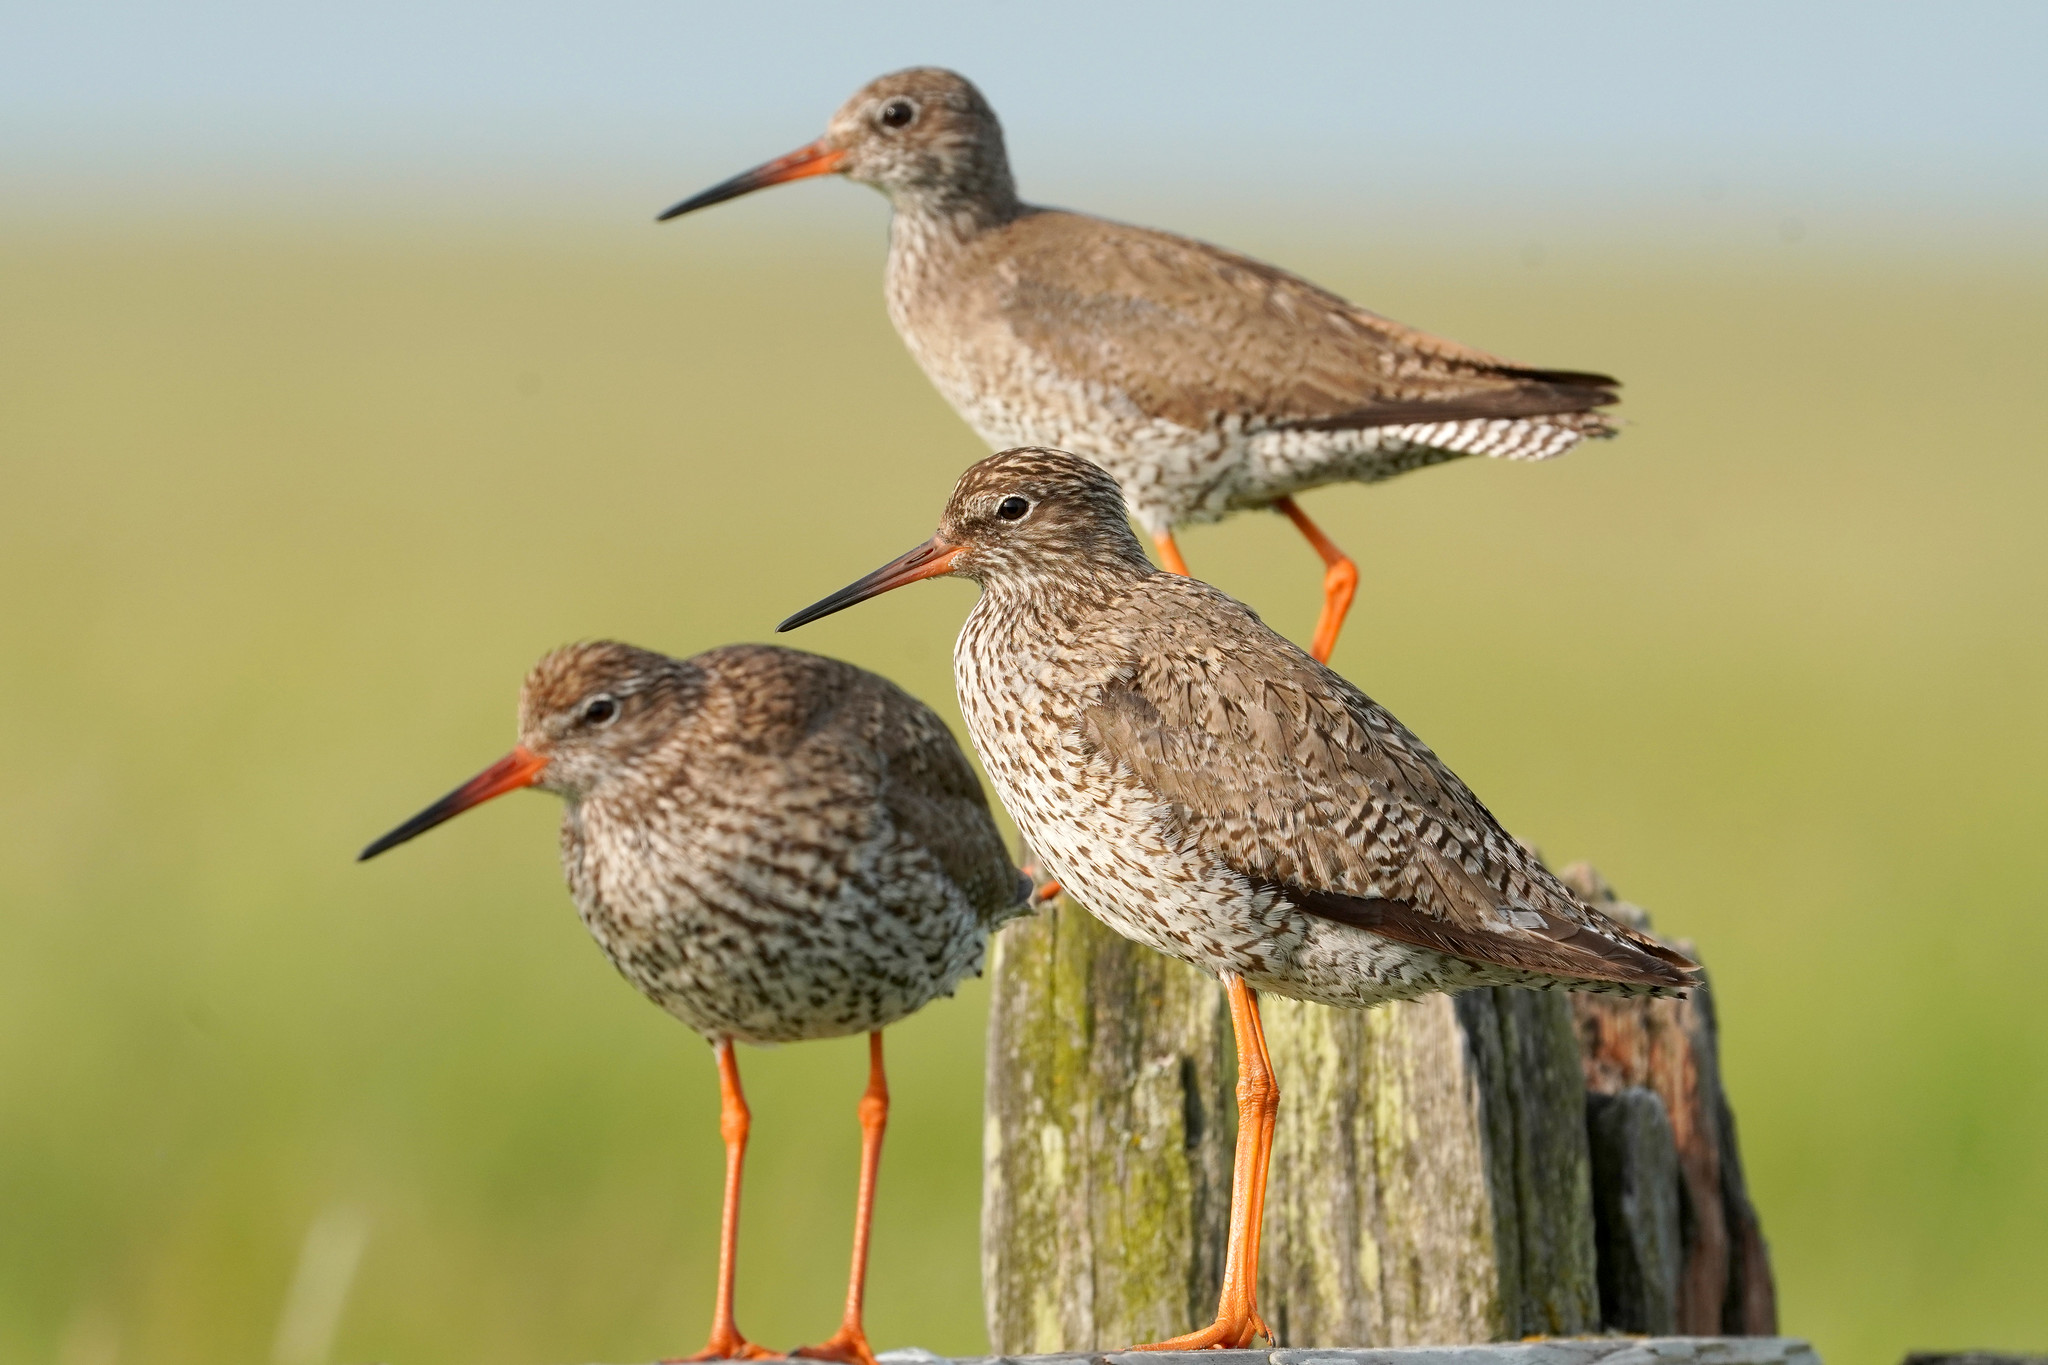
(936, 801)
(1298, 780)
(1190, 332)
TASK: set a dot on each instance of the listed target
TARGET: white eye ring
(897, 113)
(601, 709)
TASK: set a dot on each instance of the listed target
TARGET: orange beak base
(520, 768)
(814, 159)
(933, 559)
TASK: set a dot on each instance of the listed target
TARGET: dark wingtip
(1688, 972)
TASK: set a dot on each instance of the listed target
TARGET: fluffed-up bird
(771, 846)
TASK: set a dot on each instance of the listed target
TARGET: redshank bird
(1205, 381)
(772, 847)
(1206, 788)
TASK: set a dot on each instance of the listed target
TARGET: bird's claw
(1229, 1332)
(846, 1347)
(726, 1347)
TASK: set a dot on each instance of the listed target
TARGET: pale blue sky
(1913, 117)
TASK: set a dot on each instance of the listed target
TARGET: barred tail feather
(1509, 438)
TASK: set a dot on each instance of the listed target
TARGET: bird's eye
(1012, 508)
(600, 710)
(898, 114)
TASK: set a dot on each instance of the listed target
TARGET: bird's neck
(1034, 610)
(931, 222)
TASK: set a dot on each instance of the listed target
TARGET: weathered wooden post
(1432, 1175)
(1664, 1138)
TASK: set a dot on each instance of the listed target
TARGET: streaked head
(1022, 517)
(587, 713)
(924, 136)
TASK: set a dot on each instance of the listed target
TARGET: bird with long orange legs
(772, 847)
(1204, 787)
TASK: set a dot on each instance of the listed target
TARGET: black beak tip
(403, 834)
(819, 610)
(704, 199)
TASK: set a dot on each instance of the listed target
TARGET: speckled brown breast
(1208, 789)
(807, 854)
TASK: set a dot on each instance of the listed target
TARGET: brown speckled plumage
(1205, 381)
(770, 845)
(1205, 787)
(1208, 789)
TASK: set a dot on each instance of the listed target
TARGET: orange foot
(726, 1346)
(1228, 1333)
(849, 1346)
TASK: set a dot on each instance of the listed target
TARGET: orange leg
(1263, 1165)
(1340, 580)
(1258, 1100)
(850, 1343)
(726, 1343)
(1169, 554)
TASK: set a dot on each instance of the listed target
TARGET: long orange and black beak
(520, 768)
(932, 559)
(817, 158)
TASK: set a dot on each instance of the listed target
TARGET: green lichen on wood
(1108, 1142)
(1431, 1174)
(1379, 1221)
(1430, 1177)
(1532, 1102)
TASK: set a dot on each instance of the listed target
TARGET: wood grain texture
(1370, 1234)
(1669, 1047)
(1432, 1177)
(1538, 1168)
(1635, 1210)
(1110, 1125)
(1430, 1174)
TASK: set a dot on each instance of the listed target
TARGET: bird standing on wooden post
(1207, 789)
(1204, 381)
(771, 846)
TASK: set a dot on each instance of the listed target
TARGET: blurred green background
(342, 374)
(287, 509)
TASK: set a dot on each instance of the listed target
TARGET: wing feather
(1299, 781)
(1191, 333)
